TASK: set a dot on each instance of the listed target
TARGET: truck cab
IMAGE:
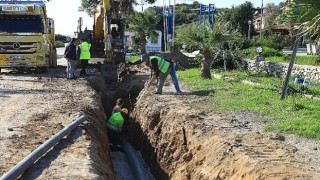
(26, 35)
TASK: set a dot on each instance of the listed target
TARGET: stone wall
(309, 73)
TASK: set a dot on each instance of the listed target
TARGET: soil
(34, 107)
(179, 135)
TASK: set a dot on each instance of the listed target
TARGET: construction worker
(119, 105)
(71, 54)
(85, 55)
(114, 129)
(161, 68)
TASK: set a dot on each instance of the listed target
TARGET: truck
(27, 39)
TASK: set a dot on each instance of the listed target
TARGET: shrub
(267, 52)
(59, 44)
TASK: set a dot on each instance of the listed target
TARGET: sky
(66, 15)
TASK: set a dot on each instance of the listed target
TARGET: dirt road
(34, 107)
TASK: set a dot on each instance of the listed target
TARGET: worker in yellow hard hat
(114, 129)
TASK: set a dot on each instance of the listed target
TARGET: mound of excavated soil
(34, 107)
(182, 61)
(181, 137)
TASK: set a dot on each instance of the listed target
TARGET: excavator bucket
(109, 69)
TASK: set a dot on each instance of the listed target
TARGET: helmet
(124, 110)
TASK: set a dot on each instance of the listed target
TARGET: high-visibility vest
(115, 122)
(85, 50)
(163, 65)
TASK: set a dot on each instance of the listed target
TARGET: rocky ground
(179, 135)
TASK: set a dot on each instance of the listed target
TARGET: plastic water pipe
(135, 162)
(18, 169)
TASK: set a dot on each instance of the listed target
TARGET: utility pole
(142, 3)
(164, 26)
(261, 22)
(293, 55)
(173, 23)
(249, 29)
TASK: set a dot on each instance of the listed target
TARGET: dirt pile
(182, 138)
(182, 61)
(34, 107)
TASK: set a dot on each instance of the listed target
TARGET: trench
(129, 88)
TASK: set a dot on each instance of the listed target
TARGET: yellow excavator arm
(99, 14)
(106, 5)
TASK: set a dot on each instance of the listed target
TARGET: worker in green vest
(161, 68)
(85, 55)
(114, 129)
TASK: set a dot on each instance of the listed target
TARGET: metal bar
(261, 18)
(18, 169)
(293, 55)
(173, 23)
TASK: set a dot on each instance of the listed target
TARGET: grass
(296, 114)
(301, 60)
(134, 58)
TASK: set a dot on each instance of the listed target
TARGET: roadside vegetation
(301, 60)
(297, 114)
(60, 40)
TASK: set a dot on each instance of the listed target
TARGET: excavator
(108, 38)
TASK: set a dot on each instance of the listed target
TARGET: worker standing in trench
(114, 129)
(160, 68)
(119, 105)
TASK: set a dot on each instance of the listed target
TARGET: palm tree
(143, 24)
(126, 6)
(212, 44)
(303, 11)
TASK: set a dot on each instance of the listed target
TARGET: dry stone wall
(309, 73)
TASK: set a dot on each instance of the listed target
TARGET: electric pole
(261, 23)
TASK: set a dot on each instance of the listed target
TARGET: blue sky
(66, 15)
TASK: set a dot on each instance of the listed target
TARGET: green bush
(276, 41)
(267, 52)
(59, 44)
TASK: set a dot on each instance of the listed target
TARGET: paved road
(300, 51)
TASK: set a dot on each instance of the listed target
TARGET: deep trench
(132, 131)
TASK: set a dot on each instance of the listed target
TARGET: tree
(272, 12)
(308, 11)
(212, 44)
(299, 12)
(143, 24)
(239, 16)
(126, 6)
(60, 37)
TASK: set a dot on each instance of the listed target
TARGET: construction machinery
(27, 39)
(108, 38)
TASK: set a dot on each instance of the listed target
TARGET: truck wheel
(43, 69)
